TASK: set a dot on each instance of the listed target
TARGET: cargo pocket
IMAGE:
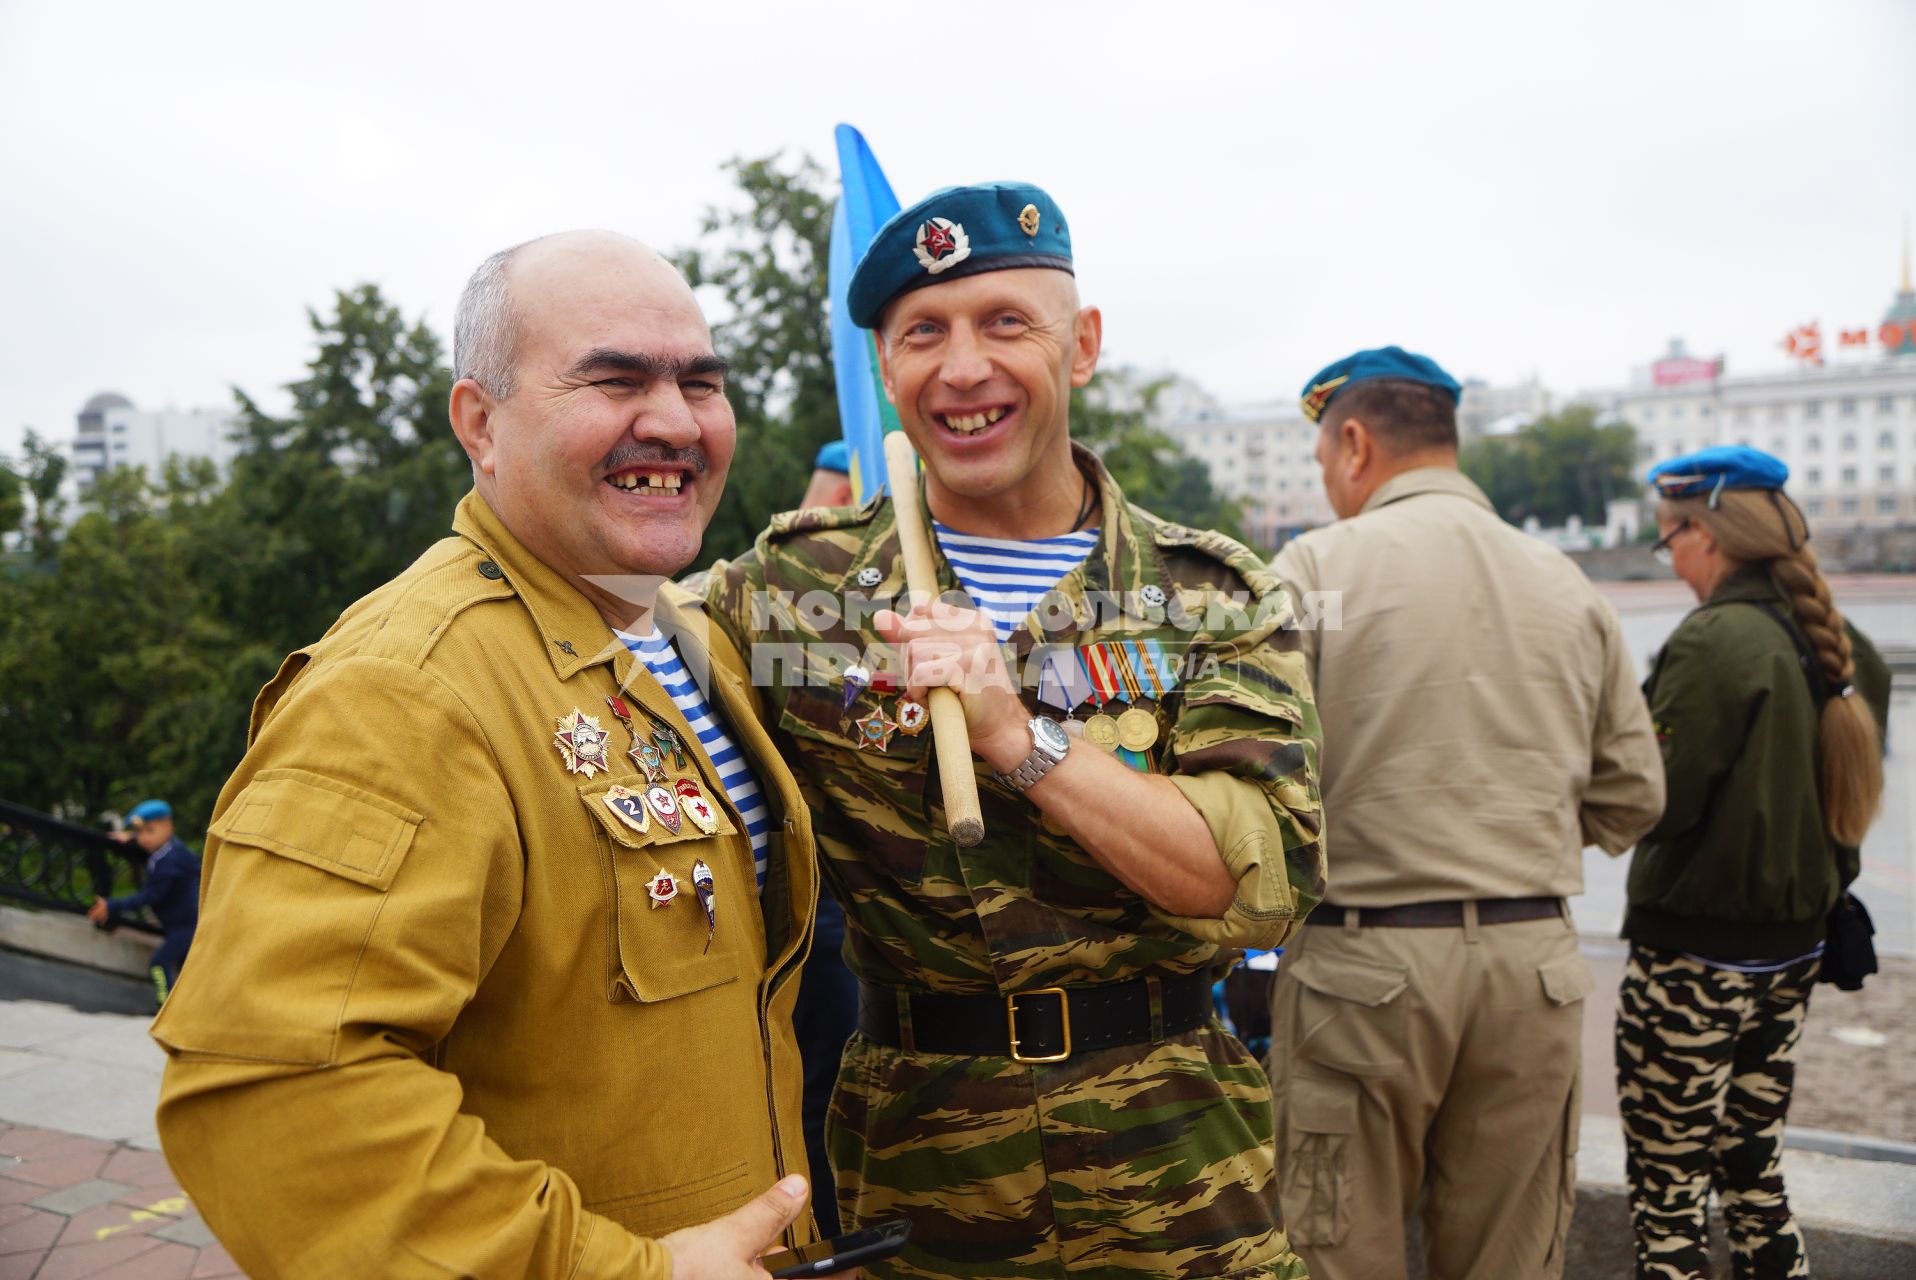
(1567, 979)
(1321, 1119)
(303, 867)
(661, 952)
(1351, 1012)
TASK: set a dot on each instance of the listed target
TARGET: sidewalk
(84, 1190)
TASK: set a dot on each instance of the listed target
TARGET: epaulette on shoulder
(1227, 551)
(819, 519)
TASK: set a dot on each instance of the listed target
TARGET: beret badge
(1028, 220)
(941, 244)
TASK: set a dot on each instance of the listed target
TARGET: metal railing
(58, 866)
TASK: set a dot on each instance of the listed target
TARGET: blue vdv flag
(864, 204)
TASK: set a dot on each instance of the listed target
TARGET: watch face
(1050, 735)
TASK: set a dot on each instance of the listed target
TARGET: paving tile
(216, 1264)
(18, 1139)
(81, 1196)
(168, 1262)
(73, 1261)
(35, 1232)
(140, 1168)
(15, 1212)
(59, 1172)
(188, 1231)
(108, 1221)
(13, 1191)
(162, 1197)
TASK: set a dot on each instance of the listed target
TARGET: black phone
(840, 1253)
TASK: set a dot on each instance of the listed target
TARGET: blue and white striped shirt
(735, 774)
(1006, 577)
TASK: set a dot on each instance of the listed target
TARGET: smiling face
(980, 370)
(610, 453)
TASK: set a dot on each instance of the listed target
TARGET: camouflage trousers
(1705, 1061)
(1151, 1162)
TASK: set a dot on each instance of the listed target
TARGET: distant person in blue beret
(171, 890)
(1482, 724)
(1769, 707)
(1039, 1082)
(831, 483)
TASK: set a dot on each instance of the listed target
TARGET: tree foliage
(1563, 464)
(133, 642)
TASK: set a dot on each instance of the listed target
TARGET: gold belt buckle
(1064, 1014)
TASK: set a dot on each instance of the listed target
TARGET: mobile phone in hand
(840, 1253)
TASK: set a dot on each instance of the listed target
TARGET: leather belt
(1046, 1025)
(1440, 915)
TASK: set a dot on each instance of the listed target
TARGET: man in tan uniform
(1481, 725)
(487, 982)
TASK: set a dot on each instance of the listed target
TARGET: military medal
(666, 806)
(581, 742)
(1137, 729)
(668, 740)
(694, 805)
(857, 680)
(707, 889)
(643, 754)
(912, 717)
(629, 807)
(875, 730)
(1100, 729)
(662, 889)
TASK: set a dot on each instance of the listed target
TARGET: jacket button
(487, 569)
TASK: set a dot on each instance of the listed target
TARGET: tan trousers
(1443, 1061)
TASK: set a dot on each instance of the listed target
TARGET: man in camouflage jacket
(1133, 1139)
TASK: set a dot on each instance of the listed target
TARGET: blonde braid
(1798, 576)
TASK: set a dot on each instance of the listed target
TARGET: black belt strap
(1441, 915)
(1047, 1025)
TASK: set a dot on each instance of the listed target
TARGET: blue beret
(149, 810)
(836, 456)
(1378, 362)
(954, 232)
(1719, 467)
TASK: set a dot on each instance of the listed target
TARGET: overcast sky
(1255, 189)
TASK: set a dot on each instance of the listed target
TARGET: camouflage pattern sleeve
(1248, 746)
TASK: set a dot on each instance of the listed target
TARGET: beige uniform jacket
(1481, 719)
(432, 1024)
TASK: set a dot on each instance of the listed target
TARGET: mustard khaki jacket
(432, 1024)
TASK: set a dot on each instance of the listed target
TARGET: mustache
(634, 454)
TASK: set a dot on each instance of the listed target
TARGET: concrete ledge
(1859, 1215)
(75, 940)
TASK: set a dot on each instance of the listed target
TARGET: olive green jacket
(432, 1024)
(1740, 867)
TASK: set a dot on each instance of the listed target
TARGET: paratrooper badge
(1028, 220)
(581, 742)
(666, 806)
(941, 244)
(912, 717)
(707, 889)
(875, 731)
(694, 805)
(664, 887)
(629, 807)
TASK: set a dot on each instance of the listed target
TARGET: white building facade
(1264, 456)
(112, 432)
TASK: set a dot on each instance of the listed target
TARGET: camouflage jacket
(1029, 908)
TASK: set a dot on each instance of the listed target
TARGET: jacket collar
(575, 636)
(1421, 480)
(1747, 582)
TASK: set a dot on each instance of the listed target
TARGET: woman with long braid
(1767, 705)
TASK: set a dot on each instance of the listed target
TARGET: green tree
(1148, 465)
(1563, 464)
(768, 261)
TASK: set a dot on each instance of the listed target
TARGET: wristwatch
(1049, 742)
